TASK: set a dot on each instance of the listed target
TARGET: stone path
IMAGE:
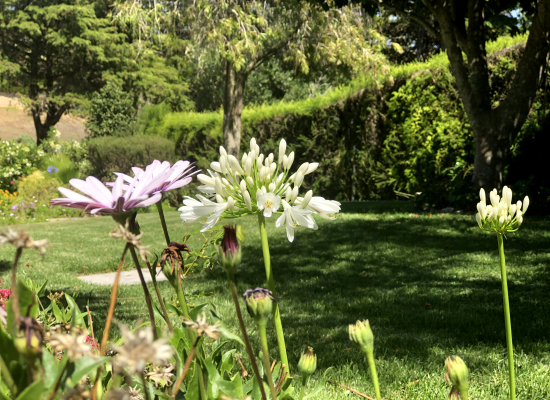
(126, 278)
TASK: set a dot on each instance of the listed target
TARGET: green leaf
(50, 368)
(193, 385)
(226, 332)
(227, 361)
(32, 392)
(83, 366)
(320, 385)
(57, 312)
(193, 314)
(174, 309)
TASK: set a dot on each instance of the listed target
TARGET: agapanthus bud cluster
(257, 183)
(501, 215)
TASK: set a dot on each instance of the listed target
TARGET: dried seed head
(22, 240)
(124, 232)
(202, 327)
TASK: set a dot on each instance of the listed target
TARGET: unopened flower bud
(248, 166)
(252, 143)
(288, 194)
(216, 166)
(294, 193)
(250, 181)
(223, 164)
(271, 187)
(308, 363)
(243, 159)
(206, 180)
(218, 185)
(299, 179)
(312, 167)
(290, 160)
(307, 199)
(219, 199)
(456, 373)
(482, 196)
(247, 201)
(222, 151)
(478, 219)
(263, 173)
(303, 168)
(234, 163)
(229, 252)
(259, 161)
(272, 168)
(525, 204)
(282, 150)
(259, 303)
(362, 336)
(230, 204)
(243, 186)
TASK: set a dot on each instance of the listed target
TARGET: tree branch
(432, 30)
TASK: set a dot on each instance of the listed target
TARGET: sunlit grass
(429, 284)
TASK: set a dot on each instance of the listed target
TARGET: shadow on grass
(420, 289)
(5, 265)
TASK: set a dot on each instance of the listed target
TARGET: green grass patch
(429, 284)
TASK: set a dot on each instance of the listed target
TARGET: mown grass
(429, 284)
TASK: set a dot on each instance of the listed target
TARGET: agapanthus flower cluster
(501, 215)
(257, 183)
(143, 190)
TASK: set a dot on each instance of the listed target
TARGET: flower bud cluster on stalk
(501, 215)
(257, 183)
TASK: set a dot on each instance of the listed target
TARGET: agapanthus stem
(163, 222)
(145, 290)
(112, 303)
(245, 337)
(265, 351)
(508, 322)
(271, 287)
(14, 297)
(373, 374)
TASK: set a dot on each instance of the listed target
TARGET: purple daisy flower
(101, 200)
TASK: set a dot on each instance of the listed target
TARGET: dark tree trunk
(53, 115)
(233, 97)
(494, 128)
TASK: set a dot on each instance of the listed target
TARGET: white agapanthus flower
(501, 215)
(257, 184)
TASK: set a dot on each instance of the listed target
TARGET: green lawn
(429, 284)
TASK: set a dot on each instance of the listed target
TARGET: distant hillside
(15, 121)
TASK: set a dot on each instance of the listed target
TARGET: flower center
(268, 203)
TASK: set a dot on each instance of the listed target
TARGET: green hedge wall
(405, 133)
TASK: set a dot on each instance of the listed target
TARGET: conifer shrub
(120, 154)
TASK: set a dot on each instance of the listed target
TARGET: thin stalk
(373, 374)
(14, 297)
(145, 290)
(112, 303)
(245, 337)
(271, 287)
(186, 367)
(181, 298)
(508, 322)
(302, 391)
(202, 388)
(163, 222)
(267, 366)
(7, 378)
(155, 285)
(58, 381)
(147, 397)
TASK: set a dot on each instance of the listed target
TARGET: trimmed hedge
(407, 132)
(120, 154)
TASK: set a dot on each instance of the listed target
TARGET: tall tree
(243, 35)
(464, 28)
(57, 52)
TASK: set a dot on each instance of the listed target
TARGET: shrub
(120, 154)
(17, 161)
(38, 187)
(59, 166)
(111, 112)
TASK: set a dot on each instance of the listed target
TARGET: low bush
(16, 161)
(120, 154)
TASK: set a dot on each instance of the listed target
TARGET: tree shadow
(408, 281)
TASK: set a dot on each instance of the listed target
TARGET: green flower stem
(147, 397)
(374, 375)
(159, 296)
(7, 378)
(163, 222)
(145, 290)
(245, 336)
(508, 322)
(14, 296)
(303, 390)
(181, 298)
(265, 351)
(271, 287)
